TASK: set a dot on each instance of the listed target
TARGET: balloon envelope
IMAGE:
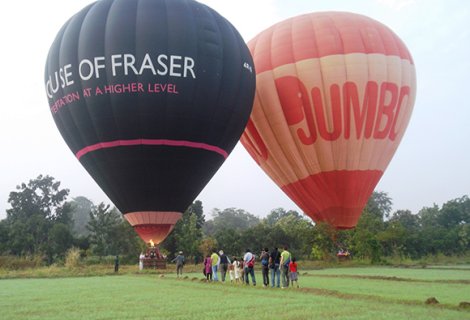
(334, 95)
(151, 96)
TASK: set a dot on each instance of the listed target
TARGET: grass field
(342, 293)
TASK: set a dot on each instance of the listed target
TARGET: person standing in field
(116, 264)
(293, 272)
(249, 263)
(224, 263)
(236, 269)
(215, 265)
(179, 264)
(141, 261)
(284, 265)
(231, 272)
(274, 262)
(242, 270)
(208, 268)
(265, 266)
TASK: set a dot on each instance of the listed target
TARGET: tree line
(43, 222)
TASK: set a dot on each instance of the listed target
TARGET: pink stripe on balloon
(150, 142)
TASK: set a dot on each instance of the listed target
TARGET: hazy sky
(432, 164)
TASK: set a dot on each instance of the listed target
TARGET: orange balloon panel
(153, 226)
(335, 92)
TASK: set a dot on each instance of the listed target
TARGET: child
(208, 268)
(236, 269)
(241, 266)
(231, 270)
(293, 272)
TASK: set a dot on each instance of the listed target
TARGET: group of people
(213, 263)
(280, 265)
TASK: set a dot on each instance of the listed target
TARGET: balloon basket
(154, 259)
(154, 263)
(343, 256)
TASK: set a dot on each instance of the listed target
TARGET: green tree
(125, 242)
(379, 205)
(102, 225)
(454, 212)
(207, 245)
(433, 235)
(197, 209)
(401, 236)
(324, 245)
(190, 237)
(277, 214)
(187, 232)
(464, 238)
(229, 240)
(299, 231)
(364, 240)
(35, 209)
(4, 237)
(455, 217)
(255, 238)
(60, 240)
(237, 219)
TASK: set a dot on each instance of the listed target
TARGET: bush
(21, 263)
(72, 258)
(97, 260)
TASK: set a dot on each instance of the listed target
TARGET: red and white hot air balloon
(335, 92)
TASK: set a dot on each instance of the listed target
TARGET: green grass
(448, 286)
(324, 294)
(445, 293)
(431, 274)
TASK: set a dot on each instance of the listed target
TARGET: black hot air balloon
(151, 96)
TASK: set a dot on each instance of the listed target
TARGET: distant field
(428, 273)
(343, 293)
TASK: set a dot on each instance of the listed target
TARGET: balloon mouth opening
(153, 234)
(153, 226)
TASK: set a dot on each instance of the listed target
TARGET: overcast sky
(432, 164)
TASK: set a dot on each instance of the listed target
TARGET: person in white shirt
(249, 263)
(141, 261)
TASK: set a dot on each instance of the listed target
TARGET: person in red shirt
(293, 272)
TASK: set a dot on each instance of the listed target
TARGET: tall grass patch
(20, 263)
(72, 258)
